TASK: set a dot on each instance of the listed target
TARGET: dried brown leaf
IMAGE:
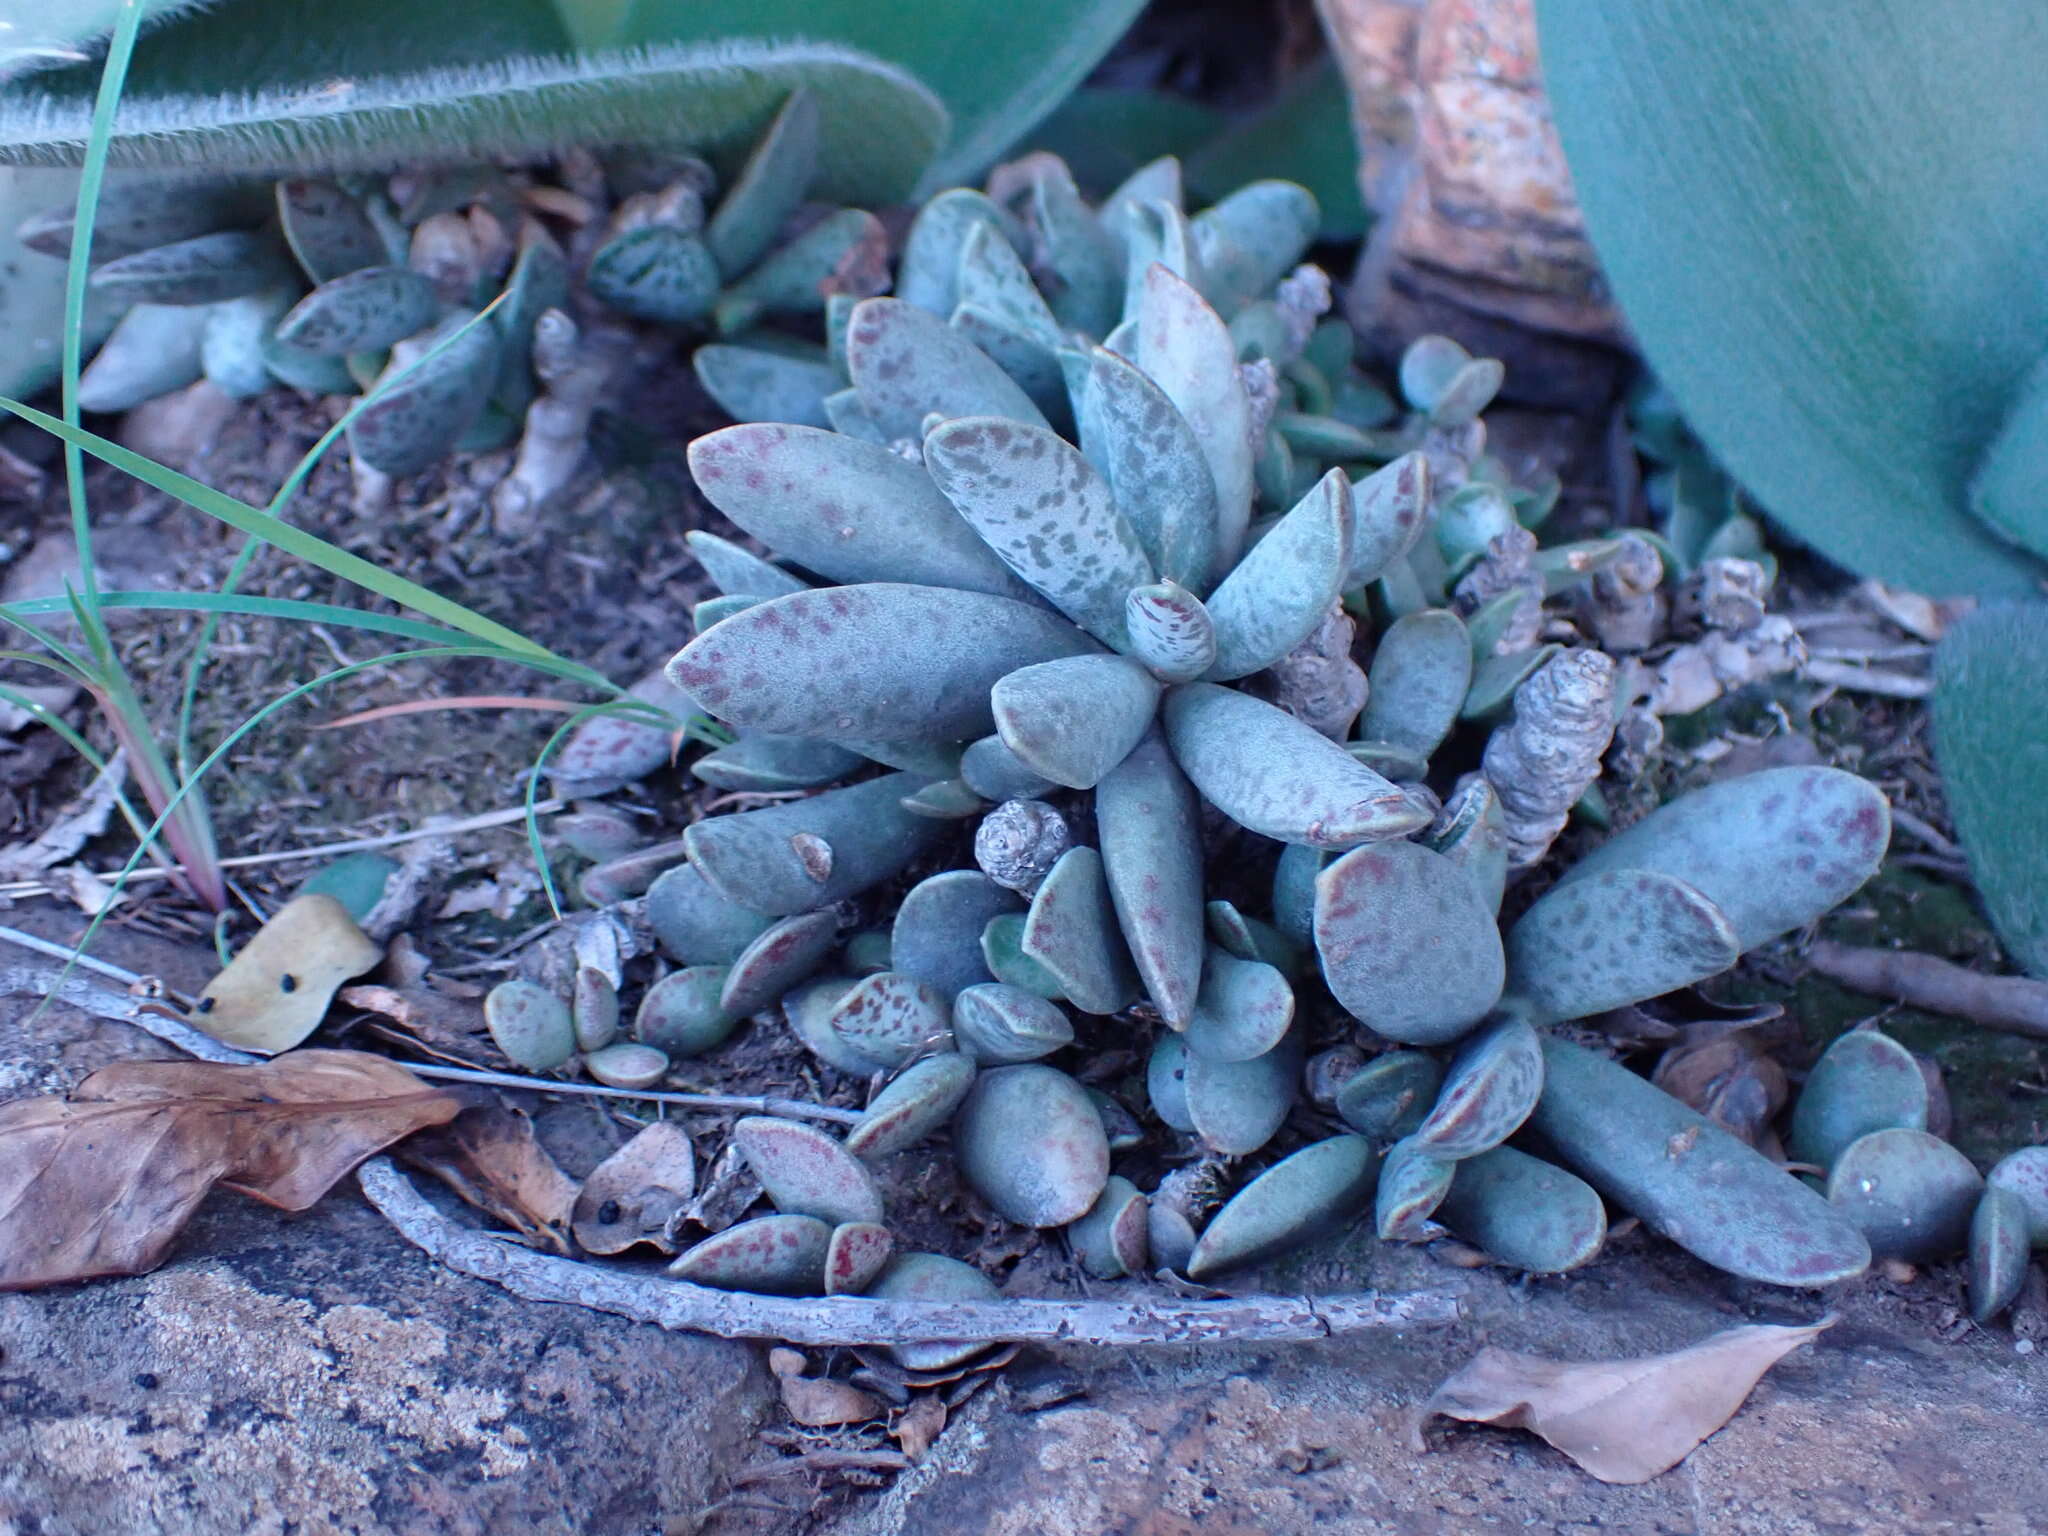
(101, 1183)
(489, 1156)
(817, 1401)
(439, 1019)
(1624, 1421)
(639, 1193)
(916, 1426)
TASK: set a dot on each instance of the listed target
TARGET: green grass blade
(309, 547)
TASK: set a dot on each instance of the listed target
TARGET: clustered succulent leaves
(1077, 532)
(331, 286)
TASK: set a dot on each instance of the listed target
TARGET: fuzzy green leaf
(1833, 287)
(997, 67)
(849, 510)
(1280, 778)
(1039, 504)
(1993, 751)
(881, 660)
(372, 85)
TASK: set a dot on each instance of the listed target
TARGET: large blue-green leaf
(849, 510)
(1186, 348)
(1149, 824)
(1772, 850)
(880, 660)
(1269, 772)
(1072, 720)
(1991, 738)
(1823, 222)
(1153, 461)
(1046, 513)
(756, 859)
(1284, 587)
(270, 84)
(998, 67)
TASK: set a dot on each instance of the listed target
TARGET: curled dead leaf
(817, 1401)
(918, 1424)
(1624, 1421)
(101, 1183)
(639, 1193)
(489, 1156)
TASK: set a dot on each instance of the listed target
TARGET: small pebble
(2023, 1347)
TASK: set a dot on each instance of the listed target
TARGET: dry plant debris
(1624, 1421)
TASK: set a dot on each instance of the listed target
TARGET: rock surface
(1878, 1428)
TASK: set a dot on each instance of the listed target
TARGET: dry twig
(2016, 1005)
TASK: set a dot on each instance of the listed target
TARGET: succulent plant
(214, 277)
(1154, 613)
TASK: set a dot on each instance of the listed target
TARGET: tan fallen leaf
(78, 823)
(639, 1193)
(488, 1155)
(1624, 1421)
(275, 992)
(917, 1425)
(101, 1183)
(818, 1401)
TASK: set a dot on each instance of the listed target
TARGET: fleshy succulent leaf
(1282, 779)
(880, 660)
(1075, 719)
(1773, 850)
(928, 275)
(1488, 1092)
(937, 935)
(1084, 271)
(846, 249)
(1420, 674)
(1711, 1194)
(1528, 1214)
(656, 272)
(1154, 463)
(365, 310)
(1389, 507)
(1251, 239)
(1170, 631)
(203, 270)
(849, 510)
(994, 772)
(1071, 931)
(1407, 946)
(752, 385)
(1299, 1198)
(1046, 513)
(749, 857)
(770, 187)
(908, 364)
(1614, 939)
(1149, 824)
(326, 228)
(419, 415)
(1864, 1082)
(1284, 586)
(758, 762)
(740, 572)
(1186, 348)
(1238, 1106)
(1243, 1010)
(992, 279)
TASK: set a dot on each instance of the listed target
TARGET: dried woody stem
(675, 1304)
(828, 1320)
(2016, 1005)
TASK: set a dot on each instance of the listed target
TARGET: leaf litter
(1624, 1421)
